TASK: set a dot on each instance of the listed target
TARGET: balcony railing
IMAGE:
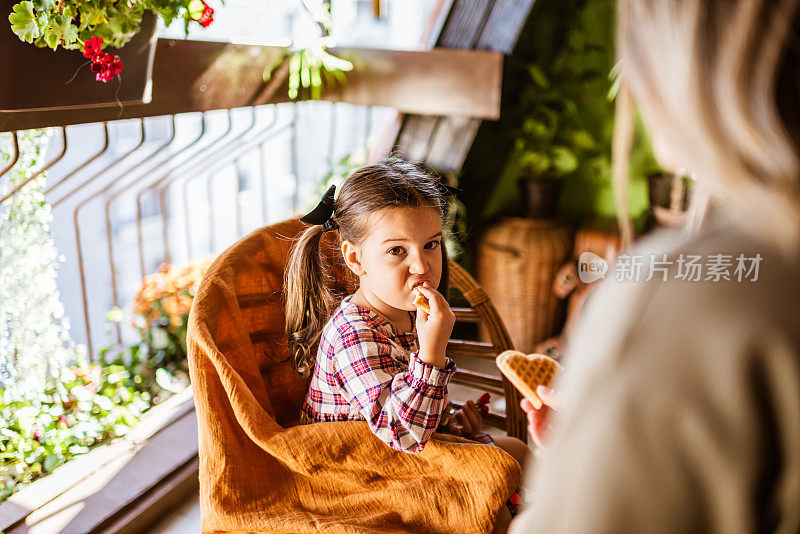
(129, 195)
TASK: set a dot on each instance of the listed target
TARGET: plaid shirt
(368, 370)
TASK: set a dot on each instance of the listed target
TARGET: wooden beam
(202, 76)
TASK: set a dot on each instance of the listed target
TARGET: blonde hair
(718, 82)
(389, 183)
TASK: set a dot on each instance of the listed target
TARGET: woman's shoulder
(673, 335)
(722, 273)
(719, 287)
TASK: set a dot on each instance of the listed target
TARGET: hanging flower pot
(93, 45)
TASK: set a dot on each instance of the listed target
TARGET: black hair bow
(323, 213)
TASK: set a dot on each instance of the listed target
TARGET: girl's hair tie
(323, 213)
(449, 190)
(330, 224)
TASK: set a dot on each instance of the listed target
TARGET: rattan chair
(259, 466)
(259, 300)
(482, 311)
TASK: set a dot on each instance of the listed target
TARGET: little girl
(380, 359)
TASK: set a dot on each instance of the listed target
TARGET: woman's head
(717, 83)
(389, 217)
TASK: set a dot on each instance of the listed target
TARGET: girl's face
(402, 249)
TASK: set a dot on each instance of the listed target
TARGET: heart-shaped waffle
(527, 371)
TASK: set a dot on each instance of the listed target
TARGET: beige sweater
(682, 401)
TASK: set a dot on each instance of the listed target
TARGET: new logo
(591, 267)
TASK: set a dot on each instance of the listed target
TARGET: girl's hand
(434, 329)
(540, 421)
(467, 421)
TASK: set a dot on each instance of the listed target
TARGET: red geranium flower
(92, 47)
(106, 66)
(114, 65)
(207, 16)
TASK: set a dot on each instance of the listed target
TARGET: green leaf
(167, 13)
(116, 377)
(124, 20)
(51, 462)
(195, 8)
(103, 402)
(60, 31)
(92, 15)
(564, 159)
(316, 82)
(538, 76)
(272, 66)
(45, 5)
(536, 162)
(9, 433)
(294, 75)
(52, 38)
(78, 449)
(305, 74)
(69, 32)
(583, 140)
(333, 63)
(23, 22)
(164, 379)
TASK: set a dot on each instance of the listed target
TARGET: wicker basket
(517, 260)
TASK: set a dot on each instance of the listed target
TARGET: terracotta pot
(39, 78)
(662, 192)
(540, 197)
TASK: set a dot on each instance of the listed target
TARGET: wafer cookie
(420, 301)
(527, 371)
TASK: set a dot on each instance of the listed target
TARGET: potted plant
(95, 30)
(549, 144)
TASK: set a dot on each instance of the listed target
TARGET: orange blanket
(261, 472)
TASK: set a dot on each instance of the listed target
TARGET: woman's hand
(434, 329)
(540, 421)
(467, 421)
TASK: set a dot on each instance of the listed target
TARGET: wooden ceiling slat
(190, 76)
(480, 24)
(504, 25)
(465, 23)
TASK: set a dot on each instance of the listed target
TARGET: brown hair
(389, 183)
(718, 81)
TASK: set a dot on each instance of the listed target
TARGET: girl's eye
(397, 251)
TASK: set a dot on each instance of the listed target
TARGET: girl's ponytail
(307, 299)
